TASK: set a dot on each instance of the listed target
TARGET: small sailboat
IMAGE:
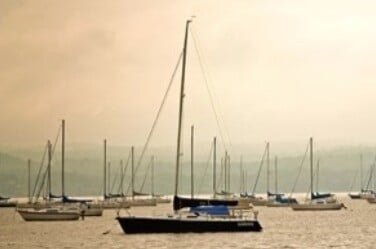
(279, 199)
(259, 200)
(186, 223)
(180, 202)
(316, 202)
(59, 213)
(49, 211)
(109, 201)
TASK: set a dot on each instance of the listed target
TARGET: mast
(122, 178)
(267, 168)
(62, 157)
(317, 175)
(181, 102)
(241, 178)
(276, 174)
(311, 162)
(109, 178)
(132, 173)
(214, 167)
(105, 168)
(49, 169)
(192, 163)
(152, 176)
(229, 175)
(361, 173)
(225, 173)
(28, 179)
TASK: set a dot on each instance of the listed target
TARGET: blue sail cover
(211, 210)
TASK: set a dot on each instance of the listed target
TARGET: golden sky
(280, 70)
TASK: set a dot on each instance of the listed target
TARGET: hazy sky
(280, 70)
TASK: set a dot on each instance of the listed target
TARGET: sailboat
(50, 211)
(180, 202)
(279, 199)
(365, 191)
(185, 223)
(258, 200)
(316, 202)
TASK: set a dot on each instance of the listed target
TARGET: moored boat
(50, 214)
(190, 223)
(317, 201)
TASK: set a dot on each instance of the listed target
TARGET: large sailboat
(179, 223)
(317, 202)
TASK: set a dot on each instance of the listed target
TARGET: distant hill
(84, 169)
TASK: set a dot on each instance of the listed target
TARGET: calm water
(283, 228)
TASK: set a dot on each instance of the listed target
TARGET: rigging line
(353, 181)
(206, 80)
(54, 146)
(206, 169)
(157, 117)
(159, 112)
(41, 185)
(40, 170)
(315, 175)
(124, 173)
(371, 172)
(114, 181)
(300, 171)
(146, 175)
(221, 180)
(56, 139)
(259, 171)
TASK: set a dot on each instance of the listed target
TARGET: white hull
(316, 206)
(49, 214)
(260, 202)
(92, 210)
(143, 202)
(112, 204)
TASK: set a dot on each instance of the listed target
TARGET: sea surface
(354, 227)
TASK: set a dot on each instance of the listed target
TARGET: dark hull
(181, 202)
(132, 225)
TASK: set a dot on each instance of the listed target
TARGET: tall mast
(267, 169)
(62, 157)
(214, 167)
(109, 178)
(225, 173)
(105, 169)
(276, 174)
(28, 179)
(152, 176)
(122, 178)
(229, 174)
(181, 108)
(317, 175)
(192, 162)
(241, 178)
(132, 173)
(361, 173)
(311, 161)
(49, 169)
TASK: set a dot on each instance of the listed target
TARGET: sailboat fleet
(222, 211)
